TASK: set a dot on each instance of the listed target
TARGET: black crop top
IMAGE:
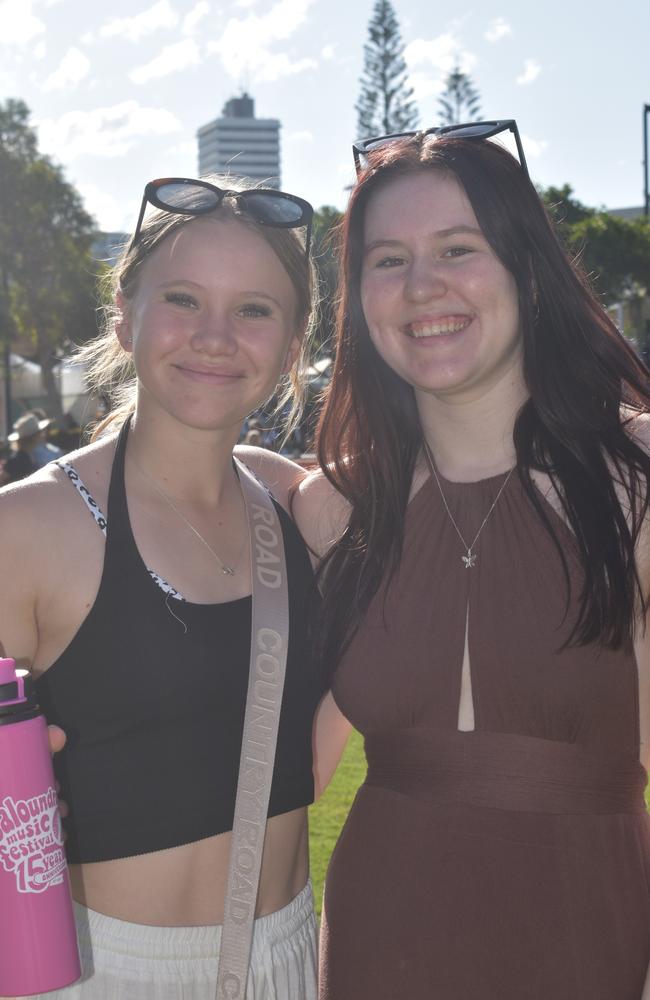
(154, 713)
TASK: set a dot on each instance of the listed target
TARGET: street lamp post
(7, 385)
(646, 195)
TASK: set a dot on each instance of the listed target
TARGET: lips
(441, 326)
(204, 373)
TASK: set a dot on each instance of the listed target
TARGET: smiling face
(441, 308)
(212, 324)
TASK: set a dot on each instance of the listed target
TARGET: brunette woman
(485, 454)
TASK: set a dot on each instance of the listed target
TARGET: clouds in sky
(497, 29)
(108, 132)
(172, 59)
(246, 44)
(160, 15)
(194, 16)
(533, 147)
(440, 54)
(531, 71)
(74, 66)
(19, 24)
(301, 136)
(253, 44)
(104, 206)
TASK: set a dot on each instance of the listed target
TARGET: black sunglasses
(470, 130)
(266, 206)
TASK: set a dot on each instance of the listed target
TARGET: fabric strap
(268, 660)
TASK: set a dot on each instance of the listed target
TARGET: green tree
(47, 285)
(385, 103)
(615, 252)
(565, 209)
(460, 100)
(326, 258)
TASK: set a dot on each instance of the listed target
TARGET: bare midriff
(185, 886)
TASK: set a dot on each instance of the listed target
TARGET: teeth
(438, 329)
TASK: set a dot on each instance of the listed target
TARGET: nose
(214, 336)
(424, 280)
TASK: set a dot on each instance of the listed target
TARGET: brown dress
(507, 863)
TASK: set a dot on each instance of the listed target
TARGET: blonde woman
(130, 602)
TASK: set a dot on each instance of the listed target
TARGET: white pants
(124, 961)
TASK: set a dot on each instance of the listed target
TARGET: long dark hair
(584, 382)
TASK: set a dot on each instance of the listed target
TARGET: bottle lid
(14, 684)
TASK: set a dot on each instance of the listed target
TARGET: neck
(472, 439)
(186, 463)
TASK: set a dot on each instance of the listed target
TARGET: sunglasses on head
(471, 130)
(266, 206)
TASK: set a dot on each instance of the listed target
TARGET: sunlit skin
(441, 308)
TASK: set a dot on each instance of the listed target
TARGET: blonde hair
(110, 371)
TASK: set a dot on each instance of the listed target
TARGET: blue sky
(118, 90)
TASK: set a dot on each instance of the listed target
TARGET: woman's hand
(57, 738)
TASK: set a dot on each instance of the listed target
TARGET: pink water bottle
(38, 941)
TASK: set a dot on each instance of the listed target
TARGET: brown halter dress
(511, 862)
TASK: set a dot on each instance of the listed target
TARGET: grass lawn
(328, 815)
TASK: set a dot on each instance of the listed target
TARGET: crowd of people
(35, 440)
(467, 579)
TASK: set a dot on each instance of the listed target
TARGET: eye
(253, 310)
(389, 261)
(457, 251)
(182, 299)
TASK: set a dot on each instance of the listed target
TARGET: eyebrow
(439, 234)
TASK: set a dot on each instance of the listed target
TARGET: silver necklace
(226, 569)
(469, 559)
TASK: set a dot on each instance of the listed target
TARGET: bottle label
(31, 841)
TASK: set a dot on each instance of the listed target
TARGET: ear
(122, 323)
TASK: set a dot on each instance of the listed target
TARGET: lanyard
(268, 660)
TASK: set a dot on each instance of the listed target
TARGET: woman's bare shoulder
(320, 511)
(35, 503)
(280, 474)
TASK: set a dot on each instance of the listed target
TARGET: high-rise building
(239, 143)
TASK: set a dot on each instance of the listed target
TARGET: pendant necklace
(469, 559)
(226, 569)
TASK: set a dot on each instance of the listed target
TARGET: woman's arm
(329, 739)
(320, 514)
(20, 573)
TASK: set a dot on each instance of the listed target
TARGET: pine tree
(460, 101)
(385, 103)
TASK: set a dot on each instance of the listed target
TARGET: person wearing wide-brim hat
(44, 450)
(28, 426)
(26, 435)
